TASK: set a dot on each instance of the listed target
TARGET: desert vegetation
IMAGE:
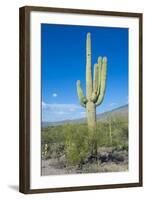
(67, 148)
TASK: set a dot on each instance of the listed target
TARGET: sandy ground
(49, 167)
(52, 167)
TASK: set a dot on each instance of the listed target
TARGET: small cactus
(95, 90)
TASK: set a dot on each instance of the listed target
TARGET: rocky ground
(107, 160)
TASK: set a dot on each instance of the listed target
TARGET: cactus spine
(95, 89)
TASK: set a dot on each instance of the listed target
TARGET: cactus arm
(88, 67)
(99, 74)
(97, 80)
(95, 92)
(81, 96)
(103, 81)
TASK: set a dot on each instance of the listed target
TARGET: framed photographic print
(80, 99)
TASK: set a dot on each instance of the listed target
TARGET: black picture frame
(24, 141)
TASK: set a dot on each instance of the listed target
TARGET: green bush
(76, 144)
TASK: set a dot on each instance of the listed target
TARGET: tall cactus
(95, 89)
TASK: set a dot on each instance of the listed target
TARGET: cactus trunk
(90, 107)
(88, 68)
(91, 115)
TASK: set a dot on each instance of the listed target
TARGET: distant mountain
(121, 111)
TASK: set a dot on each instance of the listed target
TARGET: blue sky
(63, 62)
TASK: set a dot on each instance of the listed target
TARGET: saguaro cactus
(95, 89)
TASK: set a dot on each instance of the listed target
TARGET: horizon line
(85, 117)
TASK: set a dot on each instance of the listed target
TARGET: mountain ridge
(120, 111)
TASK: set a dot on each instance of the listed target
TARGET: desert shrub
(112, 132)
(55, 140)
(119, 129)
(76, 144)
(102, 134)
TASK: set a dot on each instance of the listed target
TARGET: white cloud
(83, 114)
(54, 95)
(113, 104)
(70, 107)
(58, 112)
(44, 105)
